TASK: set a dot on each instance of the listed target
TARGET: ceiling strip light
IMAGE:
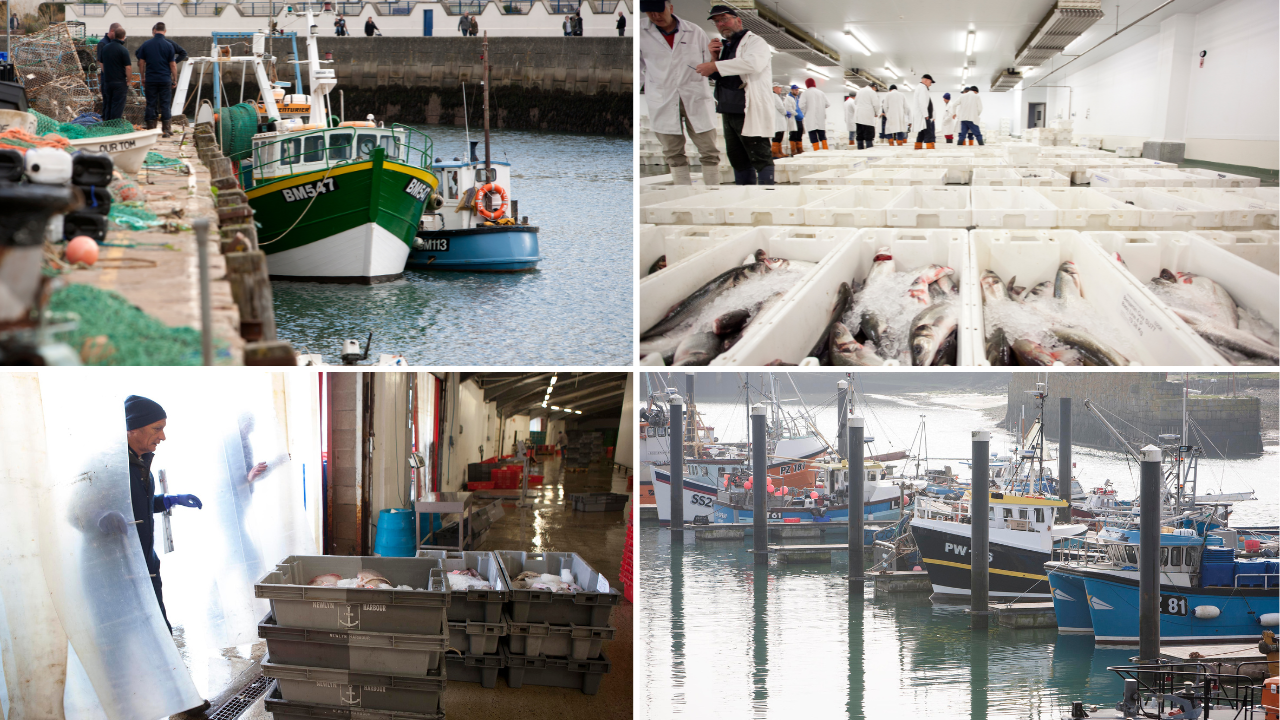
(858, 43)
(968, 43)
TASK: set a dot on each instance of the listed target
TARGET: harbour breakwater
(1149, 405)
(568, 84)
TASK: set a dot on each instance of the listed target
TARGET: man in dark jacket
(369, 27)
(158, 66)
(145, 421)
(115, 61)
(622, 24)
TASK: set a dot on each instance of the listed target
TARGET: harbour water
(722, 639)
(575, 309)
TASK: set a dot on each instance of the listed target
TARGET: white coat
(895, 112)
(920, 108)
(814, 104)
(780, 108)
(945, 118)
(790, 104)
(866, 107)
(849, 112)
(754, 65)
(969, 108)
(668, 79)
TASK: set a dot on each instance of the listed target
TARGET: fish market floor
(550, 526)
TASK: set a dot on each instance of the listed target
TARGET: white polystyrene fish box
(860, 206)
(792, 169)
(1122, 177)
(1129, 151)
(797, 325)
(1021, 153)
(705, 208)
(1042, 177)
(834, 176)
(1268, 195)
(1088, 209)
(1145, 254)
(1000, 177)
(651, 195)
(661, 292)
(680, 242)
(1225, 180)
(875, 176)
(921, 176)
(1012, 207)
(1260, 247)
(930, 207)
(776, 204)
(1238, 212)
(1124, 312)
(1162, 211)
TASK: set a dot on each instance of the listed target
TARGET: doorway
(1035, 115)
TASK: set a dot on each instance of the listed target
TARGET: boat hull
(727, 513)
(1070, 602)
(1113, 603)
(481, 249)
(351, 223)
(1014, 571)
(699, 497)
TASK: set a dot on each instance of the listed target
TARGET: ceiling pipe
(1158, 8)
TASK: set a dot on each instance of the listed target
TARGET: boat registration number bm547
(309, 190)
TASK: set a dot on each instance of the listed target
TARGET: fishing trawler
(473, 230)
(335, 201)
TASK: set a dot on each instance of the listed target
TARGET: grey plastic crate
(581, 675)
(282, 709)
(479, 605)
(598, 502)
(416, 612)
(390, 653)
(475, 638)
(469, 668)
(366, 691)
(577, 642)
(590, 607)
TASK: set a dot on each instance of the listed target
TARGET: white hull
(365, 251)
(964, 592)
(128, 151)
(698, 497)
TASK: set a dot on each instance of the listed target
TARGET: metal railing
(204, 9)
(562, 7)
(516, 7)
(145, 9)
(415, 150)
(607, 7)
(1220, 694)
(394, 8)
(90, 9)
(458, 7)
(260, 9)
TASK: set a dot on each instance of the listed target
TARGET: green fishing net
(156, 160)
(71, 131)
(133, 337)
(133, 215)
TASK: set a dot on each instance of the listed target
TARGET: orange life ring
(485, 190)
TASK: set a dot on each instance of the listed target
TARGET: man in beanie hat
(814, 104)
(741, 67)
(145, 421)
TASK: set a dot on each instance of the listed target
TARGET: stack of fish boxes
(376, 650)
(475, 618)
(557, 638)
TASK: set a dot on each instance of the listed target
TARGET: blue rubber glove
(187, 500)
(788, 114)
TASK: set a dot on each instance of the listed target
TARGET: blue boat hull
(1113, 609)
(482, 249)
(1070, 603)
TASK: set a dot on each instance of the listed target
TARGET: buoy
(1207, 612)
(1269, 619)
(917, 568)
(82, 249)
(814, 495)
(747, 485)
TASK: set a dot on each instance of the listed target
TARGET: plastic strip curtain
(98, 578)
(29, 627)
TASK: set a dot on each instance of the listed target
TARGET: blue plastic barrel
(395, 533)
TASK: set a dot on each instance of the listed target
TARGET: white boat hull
(128, 151)
(368, 251)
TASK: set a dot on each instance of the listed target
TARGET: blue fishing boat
(1206, 594)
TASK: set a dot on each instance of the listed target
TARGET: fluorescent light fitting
(891, 71)
(544, 404)
(857, 43)
(813, 71)
(553, 379)
(964, 73)
(553, 407)
(968, 43)
(579, 412)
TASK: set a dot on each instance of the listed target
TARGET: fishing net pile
(114, 332)
(85, 125)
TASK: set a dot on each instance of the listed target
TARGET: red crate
(480, 485)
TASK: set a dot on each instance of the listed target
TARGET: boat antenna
(485, 49)
(466, 122)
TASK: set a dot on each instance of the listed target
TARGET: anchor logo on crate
(351, 696)
(349, 618)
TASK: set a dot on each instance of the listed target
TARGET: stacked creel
(475, 618)
(378, 651)
(627, 575)
(556, 638)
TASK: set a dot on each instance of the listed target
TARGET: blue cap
(946, 96)
(795, 87)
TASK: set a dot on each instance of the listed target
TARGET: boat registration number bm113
(309, 190)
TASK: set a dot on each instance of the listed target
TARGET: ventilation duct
(1068, 20)
(1006, 80)
(784, 36)
(866, 78)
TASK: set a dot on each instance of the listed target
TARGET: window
(991, 512)
(1189, 557)
(388, 143)
(451, 181)
(1175, 556)
(365, 144)
(262, 154)
(1039, 515)
(1022, 513)
(1131, 554)
(313, 148)
(340, 146)
(486, 176)
(291, 151)
(1164, 557)
(1008, 513)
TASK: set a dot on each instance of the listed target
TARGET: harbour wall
(1151, 406)
(576, 84)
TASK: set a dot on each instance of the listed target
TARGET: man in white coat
(679, 98)
(922, 114)
(968, 110)
(849, 123)
(947, 118)
(895, 113)
(742, 69)
(866, 113)
(814, 104)
(782, 110)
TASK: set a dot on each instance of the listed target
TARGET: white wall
(1113, 98)
(469, 414)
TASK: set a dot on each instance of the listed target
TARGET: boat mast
(485, 51)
